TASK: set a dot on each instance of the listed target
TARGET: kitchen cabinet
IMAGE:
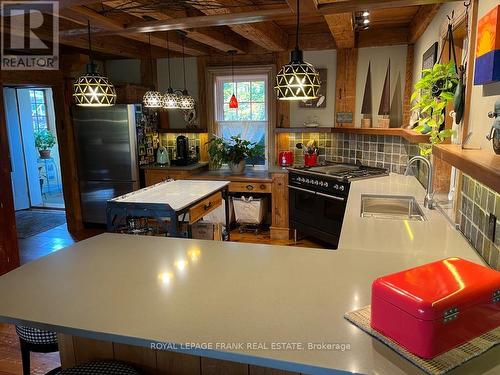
(250, 187)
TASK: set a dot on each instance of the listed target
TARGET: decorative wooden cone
(385, 102)
(366, 107)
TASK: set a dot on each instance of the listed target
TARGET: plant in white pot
(44, 141)
(234, 152)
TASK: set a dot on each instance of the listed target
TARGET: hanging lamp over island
(186, 101)
(170, 98)
(152, 98)
(297, 80)
(93, 89)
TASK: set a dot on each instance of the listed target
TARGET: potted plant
(44, 141)
(234, 152)
(433, 92)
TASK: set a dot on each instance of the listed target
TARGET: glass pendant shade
(233, 102)
(186, 101)
(170, 100)
(93, 90)
(297, 80)
(152, 99)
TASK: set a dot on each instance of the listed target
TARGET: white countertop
(178, 194)
(132, 289)
(436, 236)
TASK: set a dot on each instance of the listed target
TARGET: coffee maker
(182, 152)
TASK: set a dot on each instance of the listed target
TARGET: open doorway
(36, 173)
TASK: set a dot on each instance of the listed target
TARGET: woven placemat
(438, 365)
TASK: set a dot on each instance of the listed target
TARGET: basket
(249, 210)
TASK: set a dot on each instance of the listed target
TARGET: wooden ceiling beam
(377, 37)
(81, 14)
(421, 21)
(223, 40)
(360, 5)
(265, 34)
(342, 29)
(306, 6)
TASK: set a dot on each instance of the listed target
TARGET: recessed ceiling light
(366, 21)
(366, 13)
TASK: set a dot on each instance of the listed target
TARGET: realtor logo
(30, 35)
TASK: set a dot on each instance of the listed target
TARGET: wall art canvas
(319, 102)
(487, 68)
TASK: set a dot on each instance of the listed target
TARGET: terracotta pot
(237, 168)
(366, 123)
(44, 154)
(383, 122)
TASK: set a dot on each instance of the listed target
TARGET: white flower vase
(237, 168)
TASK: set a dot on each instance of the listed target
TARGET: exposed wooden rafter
(342, 29)
(359, 5)
(265, 34)
(422, 19)
(382, 37)
(306, 6)
(221, 39)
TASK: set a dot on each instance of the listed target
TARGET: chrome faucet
(429, 196)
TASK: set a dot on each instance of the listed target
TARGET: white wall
(379, 58)
(124, 71)
(326, 116)
(483, 97)
(176, 117)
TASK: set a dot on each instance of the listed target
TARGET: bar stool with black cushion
(97, 368)
(37, 341)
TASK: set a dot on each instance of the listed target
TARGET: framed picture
(430, 56)
(142, 150)
(320, 102)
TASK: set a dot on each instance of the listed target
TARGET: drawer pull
(262, 187)
(207, 206)
(249, 187)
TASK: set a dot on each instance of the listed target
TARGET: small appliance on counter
(494, 134)
(285, 158)
(162, 156)
(436, 307)
(183, 154)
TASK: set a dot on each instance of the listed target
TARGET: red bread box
(433, 308)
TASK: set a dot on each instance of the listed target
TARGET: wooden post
(408, 86)
(345, 88)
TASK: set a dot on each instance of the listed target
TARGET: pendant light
(93, 89)
(186, 101)
(170, 99)
(152, 98)
(233, 102)
(297, 80)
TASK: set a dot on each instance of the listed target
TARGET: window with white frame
(250, 119)
(39, 110)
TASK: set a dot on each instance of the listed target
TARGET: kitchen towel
(441, 364)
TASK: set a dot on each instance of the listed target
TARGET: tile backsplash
(391, 152)
(477, 202)
(168, 140)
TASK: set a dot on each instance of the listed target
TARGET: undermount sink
(397, 207)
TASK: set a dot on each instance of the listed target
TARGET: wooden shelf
(482, 165)
(407, 134)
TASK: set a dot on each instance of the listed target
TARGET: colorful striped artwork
(487, 68)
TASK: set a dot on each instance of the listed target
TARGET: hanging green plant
(432, 94)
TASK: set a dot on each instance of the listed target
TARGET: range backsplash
(391, 152)
(476, 203)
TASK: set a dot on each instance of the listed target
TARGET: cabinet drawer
(250, 187)
(204, 207)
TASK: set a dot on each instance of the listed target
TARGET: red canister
(285, 158)
(436, 307)
(310, 160)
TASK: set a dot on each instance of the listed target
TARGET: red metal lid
(427, 291)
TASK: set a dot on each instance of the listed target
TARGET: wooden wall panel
(279, 226)
(211, 366)
(9, 252)
(408, 85)
(282, 106)
(345, 88)
(170, 363)
(257, 370)
(87, 350)
(143, 359)
(67, 350)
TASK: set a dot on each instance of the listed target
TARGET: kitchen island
(209, 307)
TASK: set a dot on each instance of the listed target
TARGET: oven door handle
(318, 193)
(331, 196)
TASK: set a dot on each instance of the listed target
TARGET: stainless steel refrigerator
(107, 156)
